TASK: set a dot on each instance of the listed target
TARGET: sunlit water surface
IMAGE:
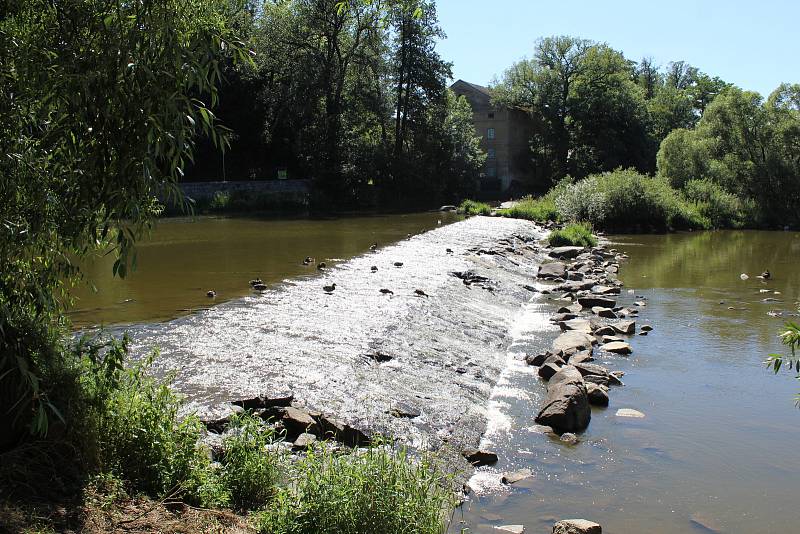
(717, 450)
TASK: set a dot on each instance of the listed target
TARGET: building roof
(479, 88)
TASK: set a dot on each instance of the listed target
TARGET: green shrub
(721, 208)
(627, 200)
(378, 491)
(576, 235)
(249, 470)
(533, 209)
(128, 422)
(220, 201)
(471, 207)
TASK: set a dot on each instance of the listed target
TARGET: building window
(491, 172)
(490, 133)
(491, 115)
(491, 153)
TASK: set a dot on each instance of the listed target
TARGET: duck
(398, 264)
(421, 293)
(766, 275)
(449, 250)
(211, 293)
(321, 265)
(330, 288)
(308, 260)
(373, 246)
(387, 291)
(374, 268)
(260, 286)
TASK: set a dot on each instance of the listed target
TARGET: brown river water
(717, 450)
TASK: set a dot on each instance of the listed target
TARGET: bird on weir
(387, 291)
(330, 288)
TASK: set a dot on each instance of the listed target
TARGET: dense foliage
(98, 117)
(354, 98)
(724, 157)
(747, 147)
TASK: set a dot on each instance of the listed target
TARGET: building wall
(509, 147)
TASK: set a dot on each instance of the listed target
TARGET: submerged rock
(567, 406)
(569, 438)
(577, 526)
(629, 412)
(516, 476)
(479, 457)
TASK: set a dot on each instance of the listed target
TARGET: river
(716, 450)
(184, 258)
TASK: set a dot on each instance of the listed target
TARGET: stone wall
(279, 188)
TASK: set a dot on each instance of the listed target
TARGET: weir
(357, 353)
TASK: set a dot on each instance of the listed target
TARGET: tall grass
(378, 491)
(471, 207)
(576, 235)
(249, 470)
(533, 209)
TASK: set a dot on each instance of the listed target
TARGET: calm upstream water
(184, 258)
(717, 450)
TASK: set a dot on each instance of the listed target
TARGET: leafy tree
(747, 146)
(98, 118)
(589, 111)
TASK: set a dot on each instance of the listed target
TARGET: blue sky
(754, 44)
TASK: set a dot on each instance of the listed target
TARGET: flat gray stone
(572, 340)
(566, 252)
(552, 270)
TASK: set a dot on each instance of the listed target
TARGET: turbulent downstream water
(715, 452)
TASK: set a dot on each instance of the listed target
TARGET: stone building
(505, 135)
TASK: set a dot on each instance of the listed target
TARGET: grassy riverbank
(132, 459)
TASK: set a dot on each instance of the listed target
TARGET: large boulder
(577, 526)
(625, 327)
(566, 252)
(552, 270)
(566, 408)
(573, 340)
(598, 394)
